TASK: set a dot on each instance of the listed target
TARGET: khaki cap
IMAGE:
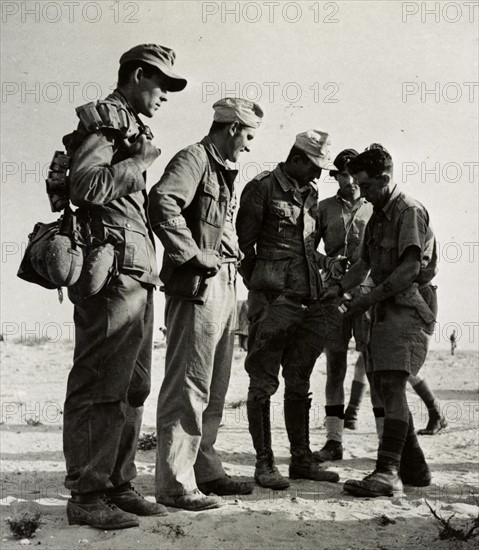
(316, 146)
(236, 109)
(162, 58)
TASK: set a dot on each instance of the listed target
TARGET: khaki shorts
(341, 329)
(399, 336)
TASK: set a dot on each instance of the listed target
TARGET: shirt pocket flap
(212, 188)
(389, 243)
(282, 209)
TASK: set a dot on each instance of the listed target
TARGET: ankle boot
(98, 511)
(266, 473)
(383, 482)
(302, 464)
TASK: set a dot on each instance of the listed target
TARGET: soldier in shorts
(400, 254)
(342, 221)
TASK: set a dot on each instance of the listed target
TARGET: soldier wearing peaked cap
(110, 378)
(342, 220)
(191, 211)
(278, 235)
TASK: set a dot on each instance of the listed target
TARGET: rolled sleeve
(412, 230)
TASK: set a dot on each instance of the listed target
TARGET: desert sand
(308, 515)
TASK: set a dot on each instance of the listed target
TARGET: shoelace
(109, 503)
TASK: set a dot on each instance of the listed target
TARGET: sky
(404, 74)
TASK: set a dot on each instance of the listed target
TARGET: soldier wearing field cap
(278, 235)
(191, 211)
(110, 378)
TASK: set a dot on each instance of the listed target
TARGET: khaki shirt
(341, 227)
(401, 223)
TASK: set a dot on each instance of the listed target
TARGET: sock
(334, 422)
(426, 394)
(357, 392)
(412, 449)
(392, 444)
(379, 414)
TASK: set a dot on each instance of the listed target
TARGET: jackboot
(302, 464)
(266, 473)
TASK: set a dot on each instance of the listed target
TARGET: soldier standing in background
(342, 220)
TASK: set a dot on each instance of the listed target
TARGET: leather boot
(266, 473)
(302, 464)
(436, 423)
(384, 482)
(98, 511)
(130, 500)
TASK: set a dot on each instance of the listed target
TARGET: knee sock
(379, 414)
(334, 422)
(357, 392)
(412, 449)
(426, 394)
(392, 444)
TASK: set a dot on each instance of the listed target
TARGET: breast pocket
(210, 202)
(285, 215)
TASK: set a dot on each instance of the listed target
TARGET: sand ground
(308, 515)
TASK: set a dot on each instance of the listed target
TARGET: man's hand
(338, 266)
(356, 306)
(142, 151)
(331, 293)
(209, 261)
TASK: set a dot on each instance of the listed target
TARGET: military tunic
(110, 378)
(191, 210)
(278, 235)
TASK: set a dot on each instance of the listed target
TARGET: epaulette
(262, 175)
(104, 115)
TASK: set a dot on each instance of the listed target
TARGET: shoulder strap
(105, 115)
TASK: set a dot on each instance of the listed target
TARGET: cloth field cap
(316, 146)
(342, 160)
(162, 58)
(236, 109)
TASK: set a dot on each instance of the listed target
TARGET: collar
(121, 98)
(213, 151)
(388, 207)
(361, 202)
(287, 182)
